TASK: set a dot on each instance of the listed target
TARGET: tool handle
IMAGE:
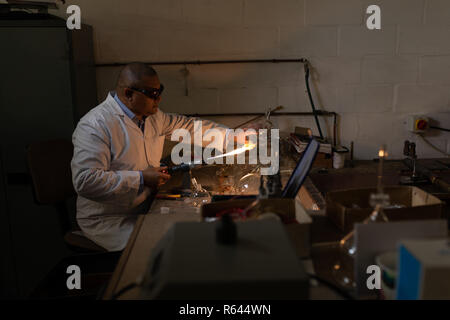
(441, 184)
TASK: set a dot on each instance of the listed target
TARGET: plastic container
(339, 153)
(388, 265)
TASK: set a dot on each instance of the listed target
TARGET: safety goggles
(151, 93)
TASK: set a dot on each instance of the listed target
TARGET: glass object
(199, 195)
(343, 269)
(247, 180)
(200, 198)
(225, 179)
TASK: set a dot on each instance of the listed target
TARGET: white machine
(225, 260)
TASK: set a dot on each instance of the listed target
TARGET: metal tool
(409, 150)
(434, 179)
(184, 167)
(267, 115)
(416, 178)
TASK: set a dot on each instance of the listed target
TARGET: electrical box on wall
(417, 123)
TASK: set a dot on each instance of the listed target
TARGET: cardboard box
(347, 207)
(298, 229)
(424, 269)
(323, 160)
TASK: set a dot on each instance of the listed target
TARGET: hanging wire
(307, 73)
(433, 146)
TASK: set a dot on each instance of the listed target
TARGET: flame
(382, 153)
(247, 146)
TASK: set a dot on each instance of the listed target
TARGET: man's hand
(155, 177)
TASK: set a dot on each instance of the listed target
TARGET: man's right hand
(155, 177)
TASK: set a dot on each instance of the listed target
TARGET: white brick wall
(399, 12)
(248, 99)
(424, 40)
(332, 12)
(270, 13)
(435, 69)
(373, 79)
(309, 41)
(413, 98)
(365, 98)
(389, 69)
(359, 41)
(437, 13)
(213, 12)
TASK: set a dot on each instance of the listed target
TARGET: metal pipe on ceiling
(155, 63)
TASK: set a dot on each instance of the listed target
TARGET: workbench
(150, 227)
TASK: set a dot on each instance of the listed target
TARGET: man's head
(139, 88)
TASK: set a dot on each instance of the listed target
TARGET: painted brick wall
(373, 79)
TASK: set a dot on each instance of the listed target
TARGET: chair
(49, 167)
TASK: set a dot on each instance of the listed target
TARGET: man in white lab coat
(117, 151)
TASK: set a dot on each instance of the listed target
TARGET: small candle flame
(382, 153)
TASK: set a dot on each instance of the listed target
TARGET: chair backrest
(49, 165)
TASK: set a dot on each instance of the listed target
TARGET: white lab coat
(109, 152)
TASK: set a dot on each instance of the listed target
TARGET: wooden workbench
(150, 228)
(324, 235)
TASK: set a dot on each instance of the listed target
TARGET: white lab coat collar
(117, 110)
(112, 102)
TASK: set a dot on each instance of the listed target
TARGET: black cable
(311, 99)
(331, 286)
(439, 128)
(335, 130)
(125, 289)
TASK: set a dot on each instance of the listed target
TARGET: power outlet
(417, 123)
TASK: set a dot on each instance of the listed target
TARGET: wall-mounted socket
(417, 123)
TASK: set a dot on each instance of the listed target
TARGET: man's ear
(128, 93)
